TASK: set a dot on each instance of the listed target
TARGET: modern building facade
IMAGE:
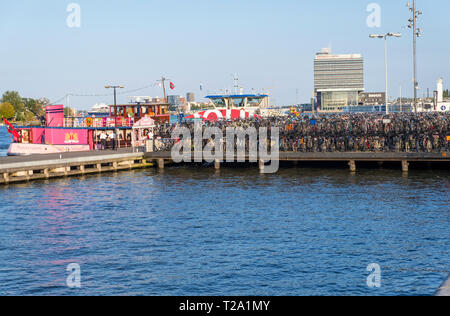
(338, 80)
(173, 100)
(190, 97)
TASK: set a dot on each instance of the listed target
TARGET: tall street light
(417, 32)
(115, 106)
(386, 62)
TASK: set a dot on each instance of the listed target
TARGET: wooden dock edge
(42, 170)
(352, 158)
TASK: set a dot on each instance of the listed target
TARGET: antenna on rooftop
(236, 84)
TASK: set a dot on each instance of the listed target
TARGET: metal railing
(101, 122)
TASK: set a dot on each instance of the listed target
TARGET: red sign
(217, 115)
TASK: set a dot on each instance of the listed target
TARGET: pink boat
(62, 134)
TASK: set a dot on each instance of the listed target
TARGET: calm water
(196, 232)
(4, 141)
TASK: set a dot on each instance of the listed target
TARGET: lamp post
(115, 107)
(386, 62)
(417, 32)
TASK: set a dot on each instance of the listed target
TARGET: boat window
(238, 103)
(254, 102)
(219, 102)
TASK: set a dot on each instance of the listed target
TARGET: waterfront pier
(41, 167)
(404, 160)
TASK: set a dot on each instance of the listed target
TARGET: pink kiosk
(143, 133)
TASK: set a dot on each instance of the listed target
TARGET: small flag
(172, 86)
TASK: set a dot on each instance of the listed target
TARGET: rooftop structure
(240, 101)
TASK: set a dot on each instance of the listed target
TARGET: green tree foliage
(446, 94)
(15, 100)
(20, 117)
(26, 109)
(7, 111)
(68, 112)
(40, 106)
(34, 108)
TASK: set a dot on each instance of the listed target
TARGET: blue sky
(269, 44)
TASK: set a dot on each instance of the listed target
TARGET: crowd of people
(396, 132)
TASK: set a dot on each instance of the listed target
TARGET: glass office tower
(338, 80)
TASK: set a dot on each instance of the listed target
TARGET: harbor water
(194, 231)
(4, 141)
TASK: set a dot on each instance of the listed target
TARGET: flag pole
(164, 89)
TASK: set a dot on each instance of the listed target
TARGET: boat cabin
(229, 102)
(157, 111)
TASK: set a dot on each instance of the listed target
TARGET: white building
(338, 80)
(441, 104)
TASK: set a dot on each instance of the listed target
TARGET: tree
(34, 108)
(15, 100)
(7, 111)
(20, 117)
(40, 105)
(68, 112)
(446, 94)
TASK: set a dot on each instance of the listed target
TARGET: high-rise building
(338, 80)
(190, 97)
(173, 100)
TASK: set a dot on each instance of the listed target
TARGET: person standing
(103, 138)
(113, 140)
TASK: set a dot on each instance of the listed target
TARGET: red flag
(11, 129)
(172, 86)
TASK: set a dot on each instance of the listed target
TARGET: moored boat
(60, 134)
(233, 107)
